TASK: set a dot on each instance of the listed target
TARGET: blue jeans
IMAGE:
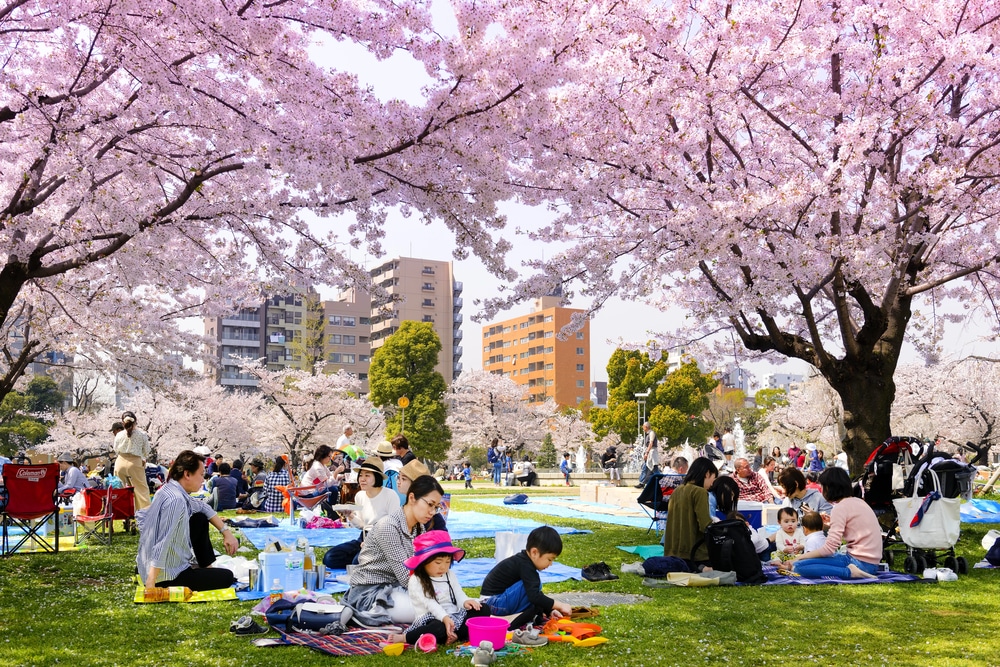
(512, 601)
(832, 566)
(496, 474)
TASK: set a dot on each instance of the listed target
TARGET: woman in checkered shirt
(277, 477)
(378, 593)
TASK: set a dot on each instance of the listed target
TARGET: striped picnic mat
(360, 642)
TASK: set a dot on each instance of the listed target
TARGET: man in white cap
(132, 446)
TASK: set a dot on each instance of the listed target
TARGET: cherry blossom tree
(158, 158)
(483, 406)
(813, 412)
(303, 410)
(954, 400)
(807, 179)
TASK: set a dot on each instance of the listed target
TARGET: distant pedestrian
(564, 467)
(467, 475)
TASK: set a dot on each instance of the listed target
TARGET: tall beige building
(347, 340)
(423, 290)
(528, 351)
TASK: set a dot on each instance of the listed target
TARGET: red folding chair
(31, 503)
(98, 525)
(122, 505)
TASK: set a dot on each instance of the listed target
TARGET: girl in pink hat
(440, 603)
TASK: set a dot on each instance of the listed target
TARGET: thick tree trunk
(867, 394)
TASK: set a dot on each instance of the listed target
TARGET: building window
(427, 318)
(549, 334)
(580, 367)
(364, 358)
(580, 350)
(363, 377)
(350, 321)
(348, 358)
(335, 357)
(334, 320)
(335, 339)
(548, 350)
(579, 384)
(549, 367)
(428, 271)
(349, 340)
(427, 303)
(579, 335)
(548, 318)
(427, 287)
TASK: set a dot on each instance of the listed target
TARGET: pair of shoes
(598, 572)
(528, 637)
(244, 625)
(941, 574)
(633, 568)
(640, 486)
(484, 655)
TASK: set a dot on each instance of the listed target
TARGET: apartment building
(347, 329)
(422, 290)
(527, 349)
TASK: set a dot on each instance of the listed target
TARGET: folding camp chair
(654, 497)
(31, 504)
(300, 495)
(99, 525)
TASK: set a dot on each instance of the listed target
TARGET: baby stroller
(884, 478)
(929, 520)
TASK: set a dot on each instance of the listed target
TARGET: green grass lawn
(76, 608)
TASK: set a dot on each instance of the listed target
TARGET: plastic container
(753, 512)
(488, 628)
(276, 591)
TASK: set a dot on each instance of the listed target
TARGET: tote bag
(940, 525)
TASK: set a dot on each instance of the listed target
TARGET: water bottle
(276, 591)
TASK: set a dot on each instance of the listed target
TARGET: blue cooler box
(751, 511)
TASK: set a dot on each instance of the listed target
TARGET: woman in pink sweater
(851, 521)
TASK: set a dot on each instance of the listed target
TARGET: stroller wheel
(930, 558)
(921, 563)
(951, 563)
(910, 565)
(963, 565)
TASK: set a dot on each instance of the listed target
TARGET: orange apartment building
(528, 351)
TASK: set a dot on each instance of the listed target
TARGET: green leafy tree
(24, 415)
(404, 366)
(547, 453)
(674, 405)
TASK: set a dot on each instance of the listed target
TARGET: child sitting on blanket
(812, 527)
(514, 587)
(789, 540)
(440, 604)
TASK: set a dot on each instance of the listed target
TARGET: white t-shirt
(442, 605)
(815, 541)
(343, 441)
(783, 540)
(371, 510)
(317, 474)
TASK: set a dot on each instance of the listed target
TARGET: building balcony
(241, 320)
(458, 318)
(457, 303)
(456, 287)
(457, 351)
(457, 335)
(240, 342)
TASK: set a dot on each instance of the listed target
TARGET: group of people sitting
(704, 494)
(402, 559)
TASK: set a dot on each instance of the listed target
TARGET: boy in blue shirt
(564, 467)
(467, 474)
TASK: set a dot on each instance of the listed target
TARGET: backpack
(731, 549)
(516, 499)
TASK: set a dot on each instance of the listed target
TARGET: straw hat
(372, 465)
(430, 544)
(385, 450)
(414, 469)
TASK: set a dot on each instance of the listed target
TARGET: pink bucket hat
(430, 544)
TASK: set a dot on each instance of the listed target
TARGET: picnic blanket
(360, 642)
(776, 579)
(980, 511)
(574, 508)
(461, 526)
(644, 551)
